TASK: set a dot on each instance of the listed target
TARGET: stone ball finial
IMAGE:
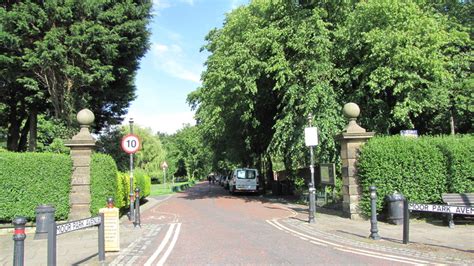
(85, 117)
(351, 110)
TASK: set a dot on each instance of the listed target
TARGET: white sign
(130, 143)
(164, 165)
(466, 210)
(76, 225)
(311, 136)
(409, 133)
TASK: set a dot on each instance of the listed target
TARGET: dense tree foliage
(187, 155)
(405, 66)
(408, 64)
(149, 157)
(61, 56)
(269, 68)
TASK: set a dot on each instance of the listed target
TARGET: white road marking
(171, 246)
(384, 257)
(404, 259)
(161, 247)
(310, 237)
(317, 243)
(362, 252)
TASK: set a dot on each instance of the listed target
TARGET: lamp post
(132, 194)
(311, 140)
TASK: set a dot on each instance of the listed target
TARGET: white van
(244, 180)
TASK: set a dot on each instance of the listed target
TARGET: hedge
(419, 168)
(140, 179)
(104, 182)
(459, 159)
(31, 179)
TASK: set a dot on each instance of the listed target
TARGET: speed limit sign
(130, 143)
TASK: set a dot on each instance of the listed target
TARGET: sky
(172, 67)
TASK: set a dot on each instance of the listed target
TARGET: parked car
(244, 180)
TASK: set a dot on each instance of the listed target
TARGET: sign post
(164, 166)
(130, 144)
(311, 140)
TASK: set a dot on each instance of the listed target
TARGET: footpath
(437, 241)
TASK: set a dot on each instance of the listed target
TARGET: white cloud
(168, 123)
(170, 59)
(162, 4)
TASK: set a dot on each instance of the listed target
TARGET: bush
(459, 159)
(104, 182)
(414, 167)
(31, 179)
(140, 179)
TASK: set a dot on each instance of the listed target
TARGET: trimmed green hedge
(104, 182)
(31, 179)
(419, 168)
(459, 158)
(140, 179)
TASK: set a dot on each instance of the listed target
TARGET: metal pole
(137, 208)
(101, 238)
(19, 238)
(131, 216)
(373, 221)
(52, 242)
(44, 215)
(164, 171)
(312, 190)
(406, 222)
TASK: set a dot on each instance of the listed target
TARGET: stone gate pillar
(81, 146)
(351, 139)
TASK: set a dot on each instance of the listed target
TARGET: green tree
(404, 66)
(149, 157)
(269, 67)
(61, 56)
(187, 153)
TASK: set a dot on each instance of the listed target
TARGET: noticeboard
(327, 172)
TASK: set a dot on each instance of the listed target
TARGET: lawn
(162, 189)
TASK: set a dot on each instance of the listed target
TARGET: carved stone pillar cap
(85, 117)
(352, 111)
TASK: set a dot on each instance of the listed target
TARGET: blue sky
(171, 69)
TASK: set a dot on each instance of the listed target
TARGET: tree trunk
(24, 136)
(268, 171)
(13, 131)
(451, 123)
(33, 130)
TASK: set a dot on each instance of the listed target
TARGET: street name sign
(130, 143)
(77, 225)
(465, 210)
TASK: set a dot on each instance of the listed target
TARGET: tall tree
(62, 56)
(396, 61)
(269, 68)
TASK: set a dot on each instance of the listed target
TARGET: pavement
(427, 239)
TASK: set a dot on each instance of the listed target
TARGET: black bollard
(19, 238)
(406, 222)
(373, 221)
(52, 234)
(136, 222)
(101, 238)
(44, 216)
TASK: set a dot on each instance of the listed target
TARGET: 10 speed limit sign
(130, 143)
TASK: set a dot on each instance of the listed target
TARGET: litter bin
(395, 208)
